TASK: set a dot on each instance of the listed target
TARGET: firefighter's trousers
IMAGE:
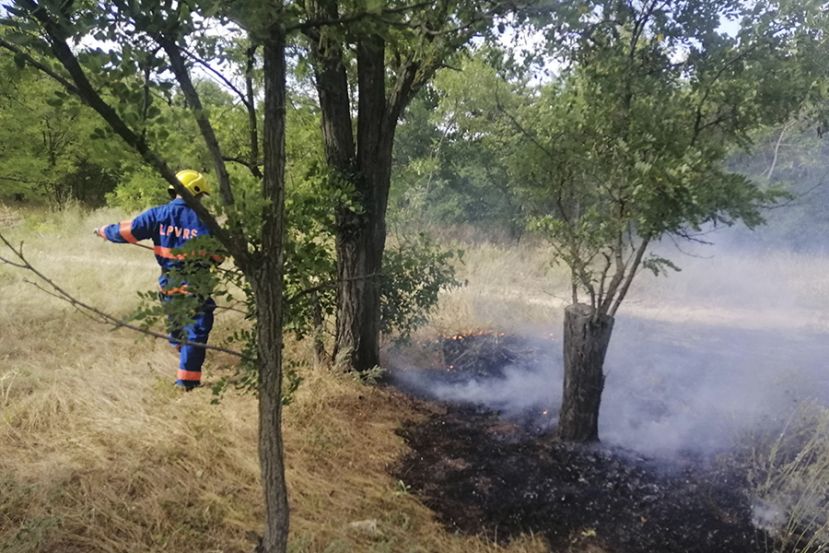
(191, 358)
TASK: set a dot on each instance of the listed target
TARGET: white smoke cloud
(730, 344)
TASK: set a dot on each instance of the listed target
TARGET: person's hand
(95, 232)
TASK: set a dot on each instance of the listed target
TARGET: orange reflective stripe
(175, 291)
(126, 232)
(166, 253)
(188, 375)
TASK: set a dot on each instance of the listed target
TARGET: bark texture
(361, 237)
(390, 71)
(586, 338)
(266, 279)
(271, 451)
(361, 241)
(364, 165)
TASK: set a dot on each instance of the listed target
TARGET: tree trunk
(319, 333)
(360, 245)
(267, 292)
(586, 337)
(361, 237)
(365, 163)
(361, 241)
(266, 280)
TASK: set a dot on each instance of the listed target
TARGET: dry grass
(513, 287)
(100, 454)
(791, 480)
(508, 287)
(750, 290)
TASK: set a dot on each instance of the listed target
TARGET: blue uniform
(170, 226)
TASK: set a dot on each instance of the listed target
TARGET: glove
(95, 231)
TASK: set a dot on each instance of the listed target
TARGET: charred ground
(482, 472)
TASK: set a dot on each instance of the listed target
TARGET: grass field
(100, 454)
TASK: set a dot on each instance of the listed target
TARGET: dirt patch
(482, 473)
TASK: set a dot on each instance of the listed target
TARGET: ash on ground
(500, 471)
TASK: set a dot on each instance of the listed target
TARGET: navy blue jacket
(169, 226)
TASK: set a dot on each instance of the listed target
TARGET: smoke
(674, 387)
(520, 389)
(727, 347)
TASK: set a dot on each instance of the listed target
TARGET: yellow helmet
(193, 181)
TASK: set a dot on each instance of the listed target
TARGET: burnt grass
(482, 474)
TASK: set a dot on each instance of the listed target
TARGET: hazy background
(729, 345)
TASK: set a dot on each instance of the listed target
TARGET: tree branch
(777, 150)
(314, 24)
(640, 252)
(333, 92)
(249, 164)
(639, 26)
(15, 179)
(326, 285)
(537, 143)
(183, 77)
(87, 309)
(404, 88)
(608, 263)
(253, 164)
(618, 275)
(418, 73)
(698, 127)
(39, 66)
(87, 93)
(218, 74)
(145, 104)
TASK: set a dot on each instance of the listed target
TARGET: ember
(479, 353)
(464, 361)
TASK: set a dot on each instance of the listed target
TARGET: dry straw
(100, 454)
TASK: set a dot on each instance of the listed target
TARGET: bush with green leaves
(137, 191)
(414, 274)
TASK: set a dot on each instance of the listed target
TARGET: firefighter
(170, 227)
